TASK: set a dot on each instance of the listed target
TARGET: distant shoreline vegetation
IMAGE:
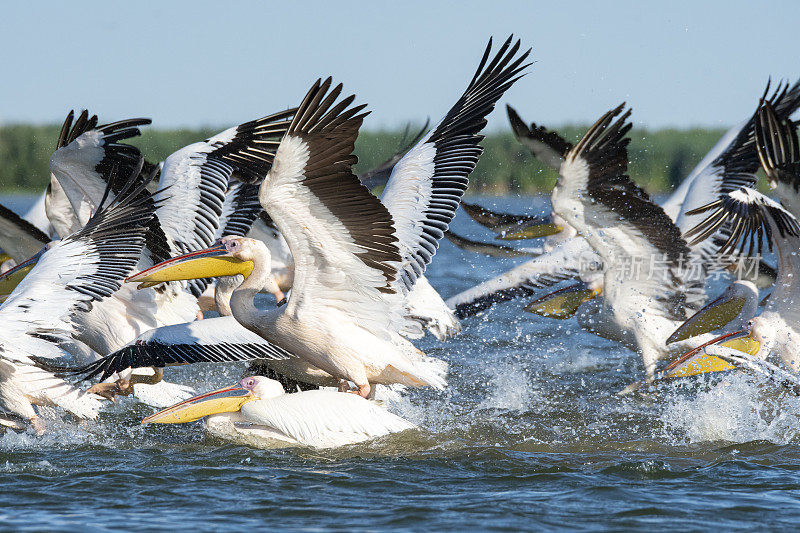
(660, 159)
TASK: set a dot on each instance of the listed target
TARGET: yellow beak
(713, 316)
(697, 362)
(227, 400)
(209, 263)
(531, 230)
(11, 278)
(563, 303)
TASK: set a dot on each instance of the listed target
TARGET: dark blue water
(528, 436)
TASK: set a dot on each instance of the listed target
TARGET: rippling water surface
(528, 435)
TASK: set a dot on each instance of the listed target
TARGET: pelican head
(228, 256)
(225, 400)
(738, 302)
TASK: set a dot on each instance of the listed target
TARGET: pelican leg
(280, 297)
(363, 391)
(110, 391)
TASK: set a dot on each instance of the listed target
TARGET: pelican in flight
(38, 316)
(258, 411)
(647, 290)
(758, 220)
(356, 257)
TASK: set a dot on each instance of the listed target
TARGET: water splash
(738, 408)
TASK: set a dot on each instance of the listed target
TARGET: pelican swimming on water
(258, 411)
(357, 257)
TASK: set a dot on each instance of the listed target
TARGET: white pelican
(356, 257)
(755, 219)
(264, 229)
(38, 317)
(645, 285)
(212, 340)
(731, 163)
(257, 411)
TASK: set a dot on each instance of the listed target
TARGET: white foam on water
(739, 408)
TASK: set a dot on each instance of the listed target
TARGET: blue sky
(197, 63)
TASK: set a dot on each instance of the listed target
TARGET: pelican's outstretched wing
(240, 209)
(341, 236)
(622, 223)
(214, 340)
(547, 146)
(427, 184)
(751, 216)
(560, 264)
(778, 150)
(19, 238)
(497, 221)
(86, 266)
(72, 273)
(81, 167)
(734, 166)
(488, 248)
(754, 218)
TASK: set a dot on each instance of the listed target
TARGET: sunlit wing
(735, 166)
(82, 268)
(198, 202)
(86, 152)
(341, 236)
(427, 184)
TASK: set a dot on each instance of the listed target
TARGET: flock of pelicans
(107, 277)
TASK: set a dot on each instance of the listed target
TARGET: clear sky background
(198, 63)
